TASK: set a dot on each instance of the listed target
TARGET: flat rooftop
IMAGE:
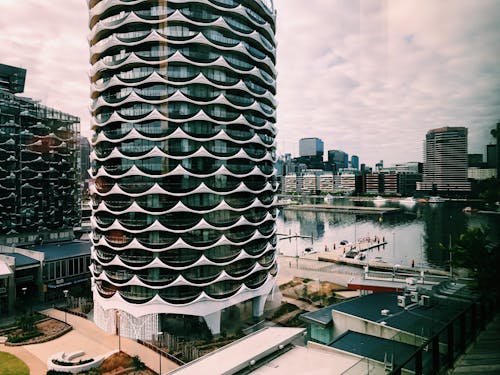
(378, 349)
(419, 320)
(237, 356)
(383, 284)
(23, 260)
(322, 316)
(62, 250)
(426, 320)
(368, 307)
(301, 360)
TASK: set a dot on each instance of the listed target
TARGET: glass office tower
(183, 115)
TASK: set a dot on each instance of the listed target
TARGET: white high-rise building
(445, 165)
(183, 115)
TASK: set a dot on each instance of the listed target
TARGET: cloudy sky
(369, 77)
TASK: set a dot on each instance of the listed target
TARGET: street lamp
(24, 289)
(159, 349)
(65, 292)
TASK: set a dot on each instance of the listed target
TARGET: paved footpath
(88, 337)
(35, 364)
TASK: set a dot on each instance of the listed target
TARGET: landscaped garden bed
(34, 329)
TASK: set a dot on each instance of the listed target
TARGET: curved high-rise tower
(183, 114)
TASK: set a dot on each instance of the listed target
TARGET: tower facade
(445, 165)
(183, 119)
(39, 171)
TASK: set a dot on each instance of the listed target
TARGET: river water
(413, 234)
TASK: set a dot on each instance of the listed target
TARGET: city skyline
(351, 72)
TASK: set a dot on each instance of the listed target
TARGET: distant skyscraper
(183, 115)
(355, 162)
(311, 147)
(338, 158)
(39, 170)
(491, 156)
(445, 166)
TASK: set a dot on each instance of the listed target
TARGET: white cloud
(367, 76)
(406, 67)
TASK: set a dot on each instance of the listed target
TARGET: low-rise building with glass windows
(183, 120)
(39, 274)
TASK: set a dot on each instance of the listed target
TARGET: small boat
(328, 198)
(360, 256)
(309, 250)
(469, 210)
(379, 201)
(436, 199)
(351, 254)
(408, 202)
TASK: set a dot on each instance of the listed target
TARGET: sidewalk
(89, 337)
(35, 364)
(85, 336)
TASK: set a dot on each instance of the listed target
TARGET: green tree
(481, 257)
(489, 190)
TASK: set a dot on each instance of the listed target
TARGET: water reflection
(413, 234)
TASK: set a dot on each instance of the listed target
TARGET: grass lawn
(11, 365)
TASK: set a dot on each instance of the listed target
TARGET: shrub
(80, 362)
(24, 337)
(137, 363)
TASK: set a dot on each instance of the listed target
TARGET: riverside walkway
(373, 264)
(342, 209)
(482, 357)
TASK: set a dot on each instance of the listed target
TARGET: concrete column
(258, 304)
(39, 284)
(11, 293)
(213, 322)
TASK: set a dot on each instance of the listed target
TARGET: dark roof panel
(322, 316)
(55, 251)
(369, 307)
(379, 349)
(23, 260)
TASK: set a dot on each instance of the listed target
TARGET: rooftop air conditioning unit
(425, 300)
(403, 300)
(411, 281)
(385, 312)
(414, 296)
